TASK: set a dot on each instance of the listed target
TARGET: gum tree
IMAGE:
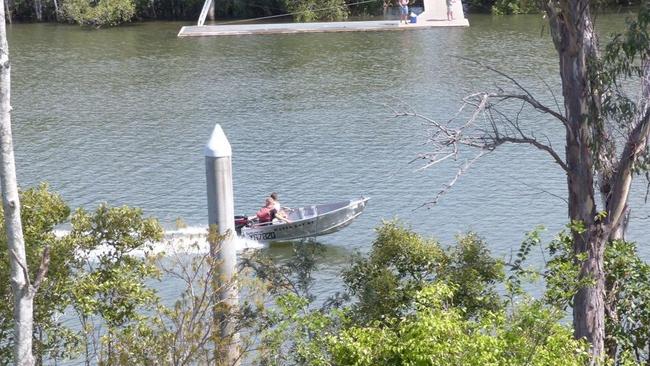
(606, 139)
(23, 290)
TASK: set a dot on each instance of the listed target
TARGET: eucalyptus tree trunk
(56, 9)
(574, 38)
(23, 292)
(38, 10)
(591, 153)
(8, 5)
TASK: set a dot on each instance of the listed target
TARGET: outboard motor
(240, 222)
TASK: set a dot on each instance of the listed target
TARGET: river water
(121, 115)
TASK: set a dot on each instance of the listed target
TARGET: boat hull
(309, 221)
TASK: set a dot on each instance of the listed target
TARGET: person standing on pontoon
(403, 10)
(450, 12)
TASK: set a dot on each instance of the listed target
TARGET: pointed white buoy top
(218, 145)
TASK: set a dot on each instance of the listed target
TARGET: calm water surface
(121, 115)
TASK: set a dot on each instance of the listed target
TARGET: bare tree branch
(446, 140)
(533, 103)
(550, 90)
(485, 129)
(462, 170)
(647, 187)
(42, 268)
(541, 190)
(528, 97)
(537, 144)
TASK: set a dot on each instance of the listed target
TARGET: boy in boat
(280, 212)
(276, 205)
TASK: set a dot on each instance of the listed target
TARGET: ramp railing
(204, 12)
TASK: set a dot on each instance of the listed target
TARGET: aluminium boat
(304, 222)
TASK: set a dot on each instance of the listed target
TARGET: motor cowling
(240, 222)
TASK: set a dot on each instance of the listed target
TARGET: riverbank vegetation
(102, 12)
(410, 300)
(606, 140)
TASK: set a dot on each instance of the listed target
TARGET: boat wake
(190, 240)
(194, 239)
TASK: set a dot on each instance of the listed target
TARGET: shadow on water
(328, 263)
(328, 254)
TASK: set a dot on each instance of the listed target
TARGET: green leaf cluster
(627, 289)
(41, 212)
(627, 326)
(439, 334)
(91, 270)
(507, 7)
(317, 10)
(98, 13)
(402, 263)
(411, 302)
(110, 283)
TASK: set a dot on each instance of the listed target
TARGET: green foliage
(562, 272)
(100, 13)
(108, 287)
(181, 334)
(517, 268)
(189, 9)
(293, 330)
(479, 6)
(625, 49)
(365, 8)
(439, 334)
(627, 297)
(111, 286)
(293, 275)
(474, 272)
(627, 286)
(414, 303)
(409, 301)
(507, 7)
(401, 263)
(295, 333)
(41, 211)
(627, 302)
(317, 10)
(623, 62)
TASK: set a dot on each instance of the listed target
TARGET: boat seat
(308, 212)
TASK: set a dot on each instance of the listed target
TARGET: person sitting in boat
(280, 212)
(268, 213)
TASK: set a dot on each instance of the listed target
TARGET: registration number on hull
(262, 236)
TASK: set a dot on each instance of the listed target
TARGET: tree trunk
(576, 43)
(56, 9)
(8, 5)
(22, 290)
(38, 10)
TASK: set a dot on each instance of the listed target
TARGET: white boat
(305, 222)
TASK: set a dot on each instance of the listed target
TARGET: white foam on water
(245, 243)
(197, 236)
(189, 240)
